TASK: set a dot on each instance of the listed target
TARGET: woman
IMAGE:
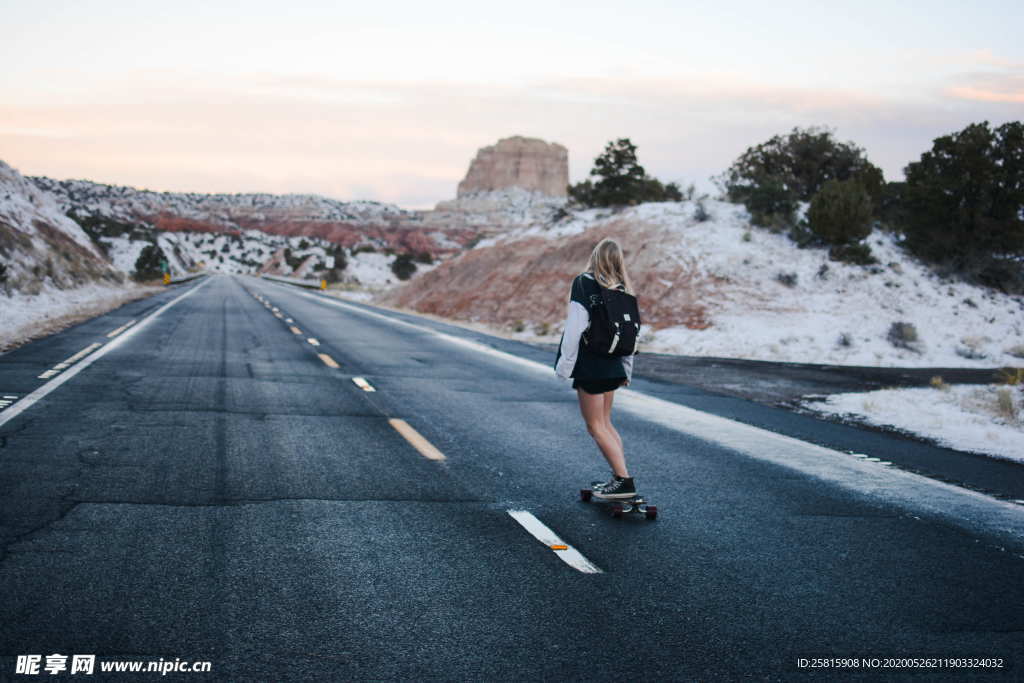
(596, 376)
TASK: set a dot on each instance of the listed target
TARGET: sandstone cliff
(527, 163)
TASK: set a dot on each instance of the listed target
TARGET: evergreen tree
(963, 204)
(620, 180)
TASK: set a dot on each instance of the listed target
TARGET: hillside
(40, 247)
(723, 288)
(117, 210)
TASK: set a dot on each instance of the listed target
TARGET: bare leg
(592, 408)
(609, 396)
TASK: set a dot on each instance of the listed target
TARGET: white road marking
(961, 507)
(31, 399)
(120, 329)
(542, 533)
(363, 384)
(289, 320)
(313, 341)
(48, 374)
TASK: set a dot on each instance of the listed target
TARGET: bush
(340, 262)
(840, 213)
(904, 336)
(149, 265)
(700, 214)
(403, 266)
(963, 205)
(620, 180)
(788, 279)
(857, 254)
(423, 257)
(771, 178)
(3, 273)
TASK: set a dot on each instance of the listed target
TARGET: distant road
(297, 488)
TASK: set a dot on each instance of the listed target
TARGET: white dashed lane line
(363, 384)
(313, 341)
(31, 399)
(565, 552)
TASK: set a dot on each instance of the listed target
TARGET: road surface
(208, 483)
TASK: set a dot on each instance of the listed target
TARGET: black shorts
(598, 386)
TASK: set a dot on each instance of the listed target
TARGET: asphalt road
(206, 486)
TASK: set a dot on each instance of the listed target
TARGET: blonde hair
(607, 265)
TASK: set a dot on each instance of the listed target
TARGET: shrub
(772, 177)
(423, 257)
(3, 273)
(857, 254)
(840, 213)
(788, 279)
(938, 383)
(149, 265)
(340, 262)
(963, 205)
(904, 336)
(845, 340)
(1004, 404)
(403, 266)
(700, 214)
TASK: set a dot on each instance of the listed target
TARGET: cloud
(1005, 88)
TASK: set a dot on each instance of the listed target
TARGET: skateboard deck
(620, 506)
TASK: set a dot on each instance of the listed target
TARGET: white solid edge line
(542, 533)
(30, 400)
(960, 506)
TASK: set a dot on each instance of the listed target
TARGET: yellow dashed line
(425, 448)
(295, 330)
(328, 361)
(120, 329)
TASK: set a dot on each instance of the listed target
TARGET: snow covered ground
(24, 317)
(774, 301)
(965, 417)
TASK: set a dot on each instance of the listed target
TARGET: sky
(390, 100)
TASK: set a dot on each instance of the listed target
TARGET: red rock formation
(529, 280)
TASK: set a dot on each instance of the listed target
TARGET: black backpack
(614, 322)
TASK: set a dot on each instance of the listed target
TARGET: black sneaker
(617, 487)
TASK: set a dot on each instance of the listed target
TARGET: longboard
(620, 506)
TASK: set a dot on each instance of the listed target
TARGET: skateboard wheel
(616, 510)
(652, 512)
(585, 495)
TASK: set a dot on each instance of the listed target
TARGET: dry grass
(1004, 404)
(938, 383)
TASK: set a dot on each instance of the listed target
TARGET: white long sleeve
(576, 321)
(627, 365)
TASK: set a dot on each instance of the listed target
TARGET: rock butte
(527, 163)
